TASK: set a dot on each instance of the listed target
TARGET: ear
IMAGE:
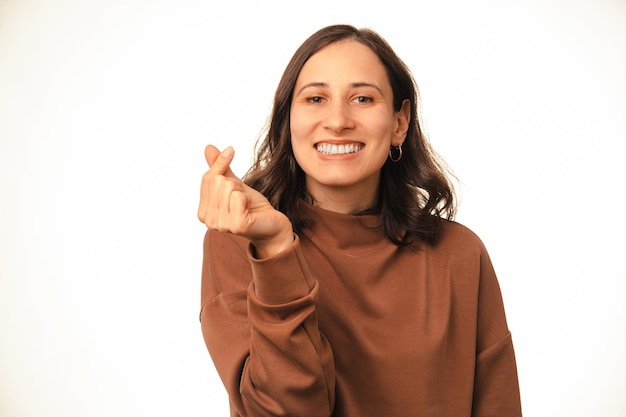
(403, 118)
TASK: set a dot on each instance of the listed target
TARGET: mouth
(338, 149)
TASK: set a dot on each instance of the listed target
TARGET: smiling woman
(410, 191)
(335, 282)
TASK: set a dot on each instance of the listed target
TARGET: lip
(339, 142)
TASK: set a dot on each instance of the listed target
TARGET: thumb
(219, 162)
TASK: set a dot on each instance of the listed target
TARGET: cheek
(297, 126)
(297, 139)
(383, 129)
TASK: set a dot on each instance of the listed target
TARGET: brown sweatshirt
(347, 324)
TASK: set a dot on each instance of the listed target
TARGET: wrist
(265, 248)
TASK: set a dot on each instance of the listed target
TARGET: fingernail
(228, 152)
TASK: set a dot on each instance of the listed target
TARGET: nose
(338, 117)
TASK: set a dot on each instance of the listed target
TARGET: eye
(315, 100)
(363, 99)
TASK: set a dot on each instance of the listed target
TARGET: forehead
(344, 61)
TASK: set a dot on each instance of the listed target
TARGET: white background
(105, 109)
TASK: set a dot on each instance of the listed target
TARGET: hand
(229, 205)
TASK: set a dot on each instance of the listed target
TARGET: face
(343, 121)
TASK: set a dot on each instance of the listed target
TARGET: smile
(333, 149)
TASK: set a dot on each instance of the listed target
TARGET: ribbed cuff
(283, 277)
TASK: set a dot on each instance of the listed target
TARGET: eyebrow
(352, 85)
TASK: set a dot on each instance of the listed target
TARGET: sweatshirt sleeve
(260, 326)
(496, 387)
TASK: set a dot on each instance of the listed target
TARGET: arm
(496, 388)
(268, 351)
(259, 302)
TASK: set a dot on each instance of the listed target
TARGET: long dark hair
(415, 193)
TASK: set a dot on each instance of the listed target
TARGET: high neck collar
(343, 232)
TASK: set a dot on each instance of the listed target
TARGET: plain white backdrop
(105, 109)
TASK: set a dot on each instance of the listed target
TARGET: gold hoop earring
(395, 153)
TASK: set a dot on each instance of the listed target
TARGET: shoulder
(452, 231)
(458, 240)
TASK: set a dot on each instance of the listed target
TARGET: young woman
(334, 281)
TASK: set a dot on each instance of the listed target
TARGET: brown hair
(414, 192)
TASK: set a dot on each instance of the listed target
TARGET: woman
(335, 282)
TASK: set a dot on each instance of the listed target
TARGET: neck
(344, 200)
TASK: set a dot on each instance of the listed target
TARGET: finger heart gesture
(228, 205)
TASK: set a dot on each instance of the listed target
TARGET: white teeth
(331, 149)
